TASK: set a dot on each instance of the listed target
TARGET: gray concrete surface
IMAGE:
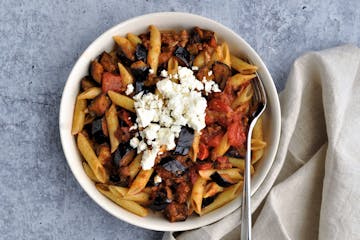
(39, 44)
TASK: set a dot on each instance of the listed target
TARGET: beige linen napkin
(316, 194)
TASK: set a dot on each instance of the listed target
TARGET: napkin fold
(313, 187)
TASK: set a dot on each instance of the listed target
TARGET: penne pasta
(172, 66)
(195, 146)
(197, 194)
(122, 100)
(79, 116)
(112, 124)
(212, 189)
(141, 198)
(242, 66)
(88, 153)
(125, 45)
(140, 181)
(233, 173)
(89, 172)
(239, 79)
(256, 155)
(226, 196)
(154, 49)
(257, 144)
(258, 130)
(90, 93)
(135, 40)
(135, 166)
(222, 148)
(225, 54)
(240, 163)
(118, 191)
(127, 204)
(244, 96)
(126, 77)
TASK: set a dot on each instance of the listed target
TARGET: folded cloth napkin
(315, 178)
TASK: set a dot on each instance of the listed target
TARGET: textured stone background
(39, 44)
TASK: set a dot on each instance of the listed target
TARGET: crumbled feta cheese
(210, 73)
(166, 137)
(161, 119)
(151, 131)
(157, 179)
(129, 89)
(148, 158)
(194, 68)
(164, 73)
(144, 116)
(210, 86)
(141, 146)
(134, 142)
(133, 127)
(151, 71)
(215, 88)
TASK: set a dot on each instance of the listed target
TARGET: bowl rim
(101, 201)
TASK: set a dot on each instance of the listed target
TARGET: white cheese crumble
(157, 179)
(151, 71)
(194, 68)
(164, 73)
(160, 120)
(129, 89)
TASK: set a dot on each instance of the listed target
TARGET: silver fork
(260, 101)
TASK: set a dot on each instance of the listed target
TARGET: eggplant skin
(123, 59)
(141, 52)
(160, 201)
(140, 87)
(207, 201)
(185, 141)
(184, 55)
(97, 132)
(120, 152)
(174, 166)
(139, 70)
(216, 177)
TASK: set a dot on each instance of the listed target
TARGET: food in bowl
(161, 122)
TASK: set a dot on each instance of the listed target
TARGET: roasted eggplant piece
(221, 73)
(221, 180)
(123, 59)
(207, 201)
(114, 178)
(87, 82)
(172, 165)
(107, 62)
(140, 86)
(123, 155)
(176, 212)
(99, 105)
(185, 141)
(160, 201)
(97, 131)
(96, 71)
(185, 57)
(236, 153)
(141, 52)
(139, 70)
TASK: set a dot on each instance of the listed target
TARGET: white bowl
(165, 20)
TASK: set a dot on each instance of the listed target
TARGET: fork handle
(246, 205)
